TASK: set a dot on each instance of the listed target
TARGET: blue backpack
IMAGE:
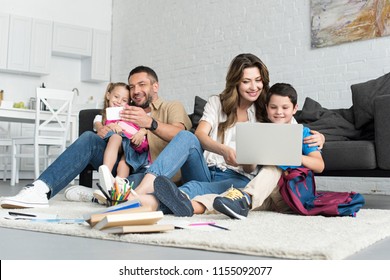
(298, 189)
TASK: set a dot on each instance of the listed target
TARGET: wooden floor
(20, 244)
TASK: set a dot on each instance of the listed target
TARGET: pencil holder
(112, 202)
(109, 197)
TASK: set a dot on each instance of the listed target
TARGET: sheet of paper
(113, 113)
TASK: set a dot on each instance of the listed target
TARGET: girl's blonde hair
(230, 97)
(111, 87)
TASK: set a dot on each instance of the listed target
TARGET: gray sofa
(357, 138)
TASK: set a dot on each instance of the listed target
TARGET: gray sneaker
(28, 197)
(234, 204)
(170, 196)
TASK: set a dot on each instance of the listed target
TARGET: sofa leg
(85, 178)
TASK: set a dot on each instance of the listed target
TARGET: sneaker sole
(165, 190)
(222, 208)
(106, 179)
(100, 197)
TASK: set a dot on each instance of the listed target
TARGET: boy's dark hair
(283, 89)
(144, 69)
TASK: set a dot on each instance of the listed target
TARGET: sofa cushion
(198, 112)
(363, 95)
(349, 155)
(334, 124)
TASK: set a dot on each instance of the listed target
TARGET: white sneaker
(121, 182)
(106, 180)
(79, 193)
(28, 197)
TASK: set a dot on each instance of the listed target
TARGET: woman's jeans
(87, 149)
(185, 152)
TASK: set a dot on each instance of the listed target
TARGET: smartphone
(113, 113)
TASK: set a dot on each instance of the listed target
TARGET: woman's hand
(229, 155)
(316, 139)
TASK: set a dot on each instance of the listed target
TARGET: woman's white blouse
(213, 115)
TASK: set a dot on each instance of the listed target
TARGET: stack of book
(127, 217)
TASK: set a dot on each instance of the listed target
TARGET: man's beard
(146, 103)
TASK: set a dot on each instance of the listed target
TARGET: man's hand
(136, 115)
(102, 131)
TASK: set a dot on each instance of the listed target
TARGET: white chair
(5, 149)
(51, 130)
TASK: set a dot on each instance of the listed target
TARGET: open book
(130, 219)
(139, 228)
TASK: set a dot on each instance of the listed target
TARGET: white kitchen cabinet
(41, 41)
(72, 41)
(29, 46)
(97, 67)
(19, 42)
(4, 31)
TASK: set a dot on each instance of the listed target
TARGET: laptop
(269, 144)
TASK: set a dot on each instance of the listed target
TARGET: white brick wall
(191, 43)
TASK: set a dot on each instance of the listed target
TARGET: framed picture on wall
(339, 21)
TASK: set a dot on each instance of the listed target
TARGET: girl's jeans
(185, 152)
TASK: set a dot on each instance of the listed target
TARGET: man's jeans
(87, 149)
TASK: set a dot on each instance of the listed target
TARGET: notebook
(269, 144)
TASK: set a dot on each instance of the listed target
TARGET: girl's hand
(137, 138)
(316, 139)
(115, 127)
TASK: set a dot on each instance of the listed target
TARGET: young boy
(262, 192)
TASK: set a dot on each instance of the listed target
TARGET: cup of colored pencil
(119, 192)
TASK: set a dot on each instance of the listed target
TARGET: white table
(28, 116)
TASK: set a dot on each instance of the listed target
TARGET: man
(163, 120)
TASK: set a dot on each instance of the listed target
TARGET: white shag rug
(267, 234)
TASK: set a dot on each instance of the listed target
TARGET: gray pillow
(363, 95)
(198, 111)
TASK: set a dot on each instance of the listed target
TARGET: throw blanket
(331, 123)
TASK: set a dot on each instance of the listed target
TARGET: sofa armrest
(86, 119)
(382, 131)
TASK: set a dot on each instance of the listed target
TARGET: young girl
(124, 139)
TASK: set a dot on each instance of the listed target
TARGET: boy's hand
(316, 139)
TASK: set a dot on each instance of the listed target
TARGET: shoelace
(234, 194)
